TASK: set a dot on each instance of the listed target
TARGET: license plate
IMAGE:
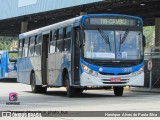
(115, 79)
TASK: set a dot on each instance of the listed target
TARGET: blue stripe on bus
(112, 70)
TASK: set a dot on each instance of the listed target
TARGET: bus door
(44, 64)
(75, 57)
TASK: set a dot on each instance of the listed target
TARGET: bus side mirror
(144, 41)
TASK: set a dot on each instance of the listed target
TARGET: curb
(142, 89)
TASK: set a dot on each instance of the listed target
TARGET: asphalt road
(92, 100)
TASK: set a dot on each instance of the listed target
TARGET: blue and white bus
(8, 64)
(95, 51)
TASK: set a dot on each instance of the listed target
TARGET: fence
(152, 77)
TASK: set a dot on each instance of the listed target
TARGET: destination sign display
(112, 21)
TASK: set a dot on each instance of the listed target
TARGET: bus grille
(102, 73)
(113, 64)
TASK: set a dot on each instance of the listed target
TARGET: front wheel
(35, 88)
(71, 92)
(118, 91)
(43, 89)
(79, 90)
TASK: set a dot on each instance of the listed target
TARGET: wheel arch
(64, 73)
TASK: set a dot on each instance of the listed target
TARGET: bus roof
(50, 27)
(71, 22)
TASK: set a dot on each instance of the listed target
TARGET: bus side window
(52, 43)
(25, 47)
(67, 39)
(59, 47)
(20, 48)
(31, 46)
(38, 45)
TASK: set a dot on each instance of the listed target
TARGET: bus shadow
(80, 95)
(88, 94)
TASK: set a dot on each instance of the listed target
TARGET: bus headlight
(85, 68)
(89, 71)
(138, 72)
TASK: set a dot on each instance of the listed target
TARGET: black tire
(71, 92)
(43, 89)
(79, 90)
(35, 88)
(118, 91)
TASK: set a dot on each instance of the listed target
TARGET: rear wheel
(70, 90)
(36, 88)
(118, 91)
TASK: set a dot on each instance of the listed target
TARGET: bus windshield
(113, 44)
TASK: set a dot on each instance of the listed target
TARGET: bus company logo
(127, 69)
(13, 96)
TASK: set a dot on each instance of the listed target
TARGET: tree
(5, 42)
(149, 33)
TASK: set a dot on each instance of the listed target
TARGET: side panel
(21, 70)
(51, 69)
(59, 67)
(56, 64)
(24, 68)
(37, 68)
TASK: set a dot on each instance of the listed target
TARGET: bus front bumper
(103, 80)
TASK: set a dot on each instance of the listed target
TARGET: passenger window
(25, 47)
(53, 35)
(60, 34)
(32, 41)
(52, 44)
(59, 46)
(67, 44)
(39, 39)
(31, 46)
(38, 45)
(68, 32)
(26, 42)
(67, 40)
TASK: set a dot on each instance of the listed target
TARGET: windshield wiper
(105, 37)
(123, 38)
